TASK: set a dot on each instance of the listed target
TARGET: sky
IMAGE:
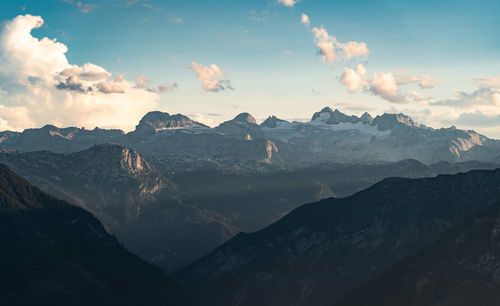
(107, 63)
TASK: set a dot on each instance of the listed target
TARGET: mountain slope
(59, 140)
(130, 197)
(320, 251)
(461, 268)
(111, 181)
(173, 217)
(57, 254)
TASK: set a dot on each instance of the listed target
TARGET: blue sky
(272, 60)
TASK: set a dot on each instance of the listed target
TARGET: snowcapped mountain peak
(324, 113)
(329, 116)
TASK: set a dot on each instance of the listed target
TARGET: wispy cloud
(128, 3)
(176, 20)
(86, 8)
(82, 7)
(259, 17)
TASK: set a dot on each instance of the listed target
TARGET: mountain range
(242, 143)
(222, 207)
(175, 175)
(172, 218)
(360, 244)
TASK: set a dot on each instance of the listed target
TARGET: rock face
(330, 136)
(321, 251)
(109, 180)
(54, 253)
(460, 268)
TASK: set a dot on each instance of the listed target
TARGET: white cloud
(210, 77)
(32, 56)
(354, 49)
(287, 52)
(305, 19)
(289, 3)
(385, 85)
(326, 44)
(332, 50)
(479, 108)
(484, 96)
(354, 80)
(39, 85)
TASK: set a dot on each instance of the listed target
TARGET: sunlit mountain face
(277, 152)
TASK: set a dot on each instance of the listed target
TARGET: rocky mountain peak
(272, 122)
(390, 121)
(339, 117)
(154, 121)
(366, 118)
(325, 110)
(244, 118)
(112, 155)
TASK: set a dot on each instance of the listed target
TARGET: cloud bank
(387, 85)
(38, 85)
